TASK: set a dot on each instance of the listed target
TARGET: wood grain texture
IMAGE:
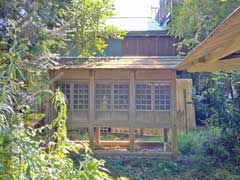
(149, 46)
(223, 41)
(185, 116)
(129, 118)
(147, 62)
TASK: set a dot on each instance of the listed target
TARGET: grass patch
(149, 138)
(142, 169)
(191, 164)
(77, 136)
(114, 137)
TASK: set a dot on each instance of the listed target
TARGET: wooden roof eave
(119, 63)
(209, 55)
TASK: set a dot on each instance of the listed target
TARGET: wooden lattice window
(80, 97)
(120, 96)
(143, 97)
(153, 97)
(103, 96)
(112, 96)
(105, 129)
(65, 88)
(162, 97)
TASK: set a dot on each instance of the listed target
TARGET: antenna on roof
(164, 12)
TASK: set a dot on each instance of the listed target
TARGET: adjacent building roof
(137, 16)
(136, 24)
(220, 51)
(166, 62)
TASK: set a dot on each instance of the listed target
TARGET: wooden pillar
(71, 100)
(47, 111)
(165, 135)
(50, 105)
(185, 110)
(173, 115)
(165, 139)
(91, 111)
(98, 135)
(132, 110)
(91, 137)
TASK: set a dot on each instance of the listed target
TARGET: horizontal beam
(137, 154)
(221, 65)
(224, 40)
(126, 143)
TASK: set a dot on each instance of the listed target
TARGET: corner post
(98, 135)
(91, 112)
(132, 110)
(173, 115)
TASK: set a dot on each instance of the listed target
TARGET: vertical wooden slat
(98, 135)
(153, 97)
(91, 137)
(70, 110)
(91, 111)
(149, 46)
(190, 107)
(51, 109)
(71, 96)
(173, 115)
(132, 109)
(165, 139)
(165, 135)
(47, 112)
(185, 110)
(156, 42)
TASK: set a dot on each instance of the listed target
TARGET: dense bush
(225, 151)
(210, 153)
(32, 35)
(187, 144)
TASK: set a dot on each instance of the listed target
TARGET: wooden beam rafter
(220, 65)
(223, 41)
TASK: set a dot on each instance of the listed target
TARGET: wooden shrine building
(125, 92)
(131, 86)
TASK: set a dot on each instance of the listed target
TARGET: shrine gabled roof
(151, 62)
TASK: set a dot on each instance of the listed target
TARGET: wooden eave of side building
(132, 62)
(220, 51)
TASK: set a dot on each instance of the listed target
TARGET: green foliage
(193, 161)
(87, 19)
(45, 27)
(32, 34)
(216, 95)
(224, 151)
(141, 169)
(193, 20)
(217, 98)
(75, 135)
(187, 143)
(29, 157)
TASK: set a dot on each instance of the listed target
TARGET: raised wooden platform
(162, 155)
(141, 149)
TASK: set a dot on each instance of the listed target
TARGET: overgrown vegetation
(193, 20)
(193, 162)
(216, 95)
(213, 151)
(32, 35)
